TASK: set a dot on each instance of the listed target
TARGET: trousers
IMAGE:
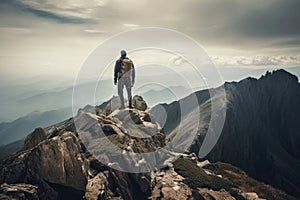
(125, 81)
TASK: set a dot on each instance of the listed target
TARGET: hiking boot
(130, 103)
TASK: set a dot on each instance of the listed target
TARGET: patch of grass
(195, 177)
(241, 180)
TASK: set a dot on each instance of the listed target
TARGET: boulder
(19, 191)
(139, 103)
(97, 188)
(147, 117)
(55, 165)
(135, 117)
(33, 139)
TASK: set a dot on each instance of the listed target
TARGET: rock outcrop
(187, 178)
(18, 191)
(32, 140)
(56, 162)
(261, 134)
(139, 103)
(59, 165)
(261, 130)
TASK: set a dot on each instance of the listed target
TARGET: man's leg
(120, 92)
(129, 95)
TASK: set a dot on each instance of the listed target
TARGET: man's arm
(117, 70)
(133, 74)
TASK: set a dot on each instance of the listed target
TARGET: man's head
(123, 53)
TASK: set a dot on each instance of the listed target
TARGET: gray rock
(97, 188)
(54, 161)
(33, 139)
(19, 191)
(139, 103)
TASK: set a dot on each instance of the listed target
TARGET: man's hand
(132, 83)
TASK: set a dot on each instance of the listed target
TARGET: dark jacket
(118, 66)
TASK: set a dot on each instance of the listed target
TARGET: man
(124, 76)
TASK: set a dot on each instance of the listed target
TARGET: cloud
(274, 18)
(14, 29)
(130, 25)
(231, 22)
(95, 31)
(67, 11)
(58, 17)
(259, 61)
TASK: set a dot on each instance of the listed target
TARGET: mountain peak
(279, 75)
(275, 75)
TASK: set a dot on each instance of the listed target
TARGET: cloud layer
(67, 11)
(280, 61)
(56, 34)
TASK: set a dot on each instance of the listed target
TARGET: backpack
(126, 67)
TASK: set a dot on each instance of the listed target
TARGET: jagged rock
(132, 121)
(67, 162)
(128, 116)
(130, 185)
(203, 163)
(52, 132)
(54, 162)
(207, 194)
(169, 185)
(109, 106)
(147, 117)
(70, 125)
(34, 138)
(97, 188)
(19, 191)
(112, 129)
(251, 196)
(135, 117)
(139, 103)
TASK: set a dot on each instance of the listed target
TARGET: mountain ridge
(261, 130)
(19, 128)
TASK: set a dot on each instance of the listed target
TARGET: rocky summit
(107, 153)
(70, 161)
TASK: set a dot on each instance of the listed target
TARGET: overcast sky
(54, 37)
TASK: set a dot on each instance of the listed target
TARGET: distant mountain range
(261, 134)
(20, 98)
(18, 129)
(154, 97)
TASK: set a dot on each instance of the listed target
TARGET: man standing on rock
(124, 76)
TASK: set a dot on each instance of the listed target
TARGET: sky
(54, 38)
